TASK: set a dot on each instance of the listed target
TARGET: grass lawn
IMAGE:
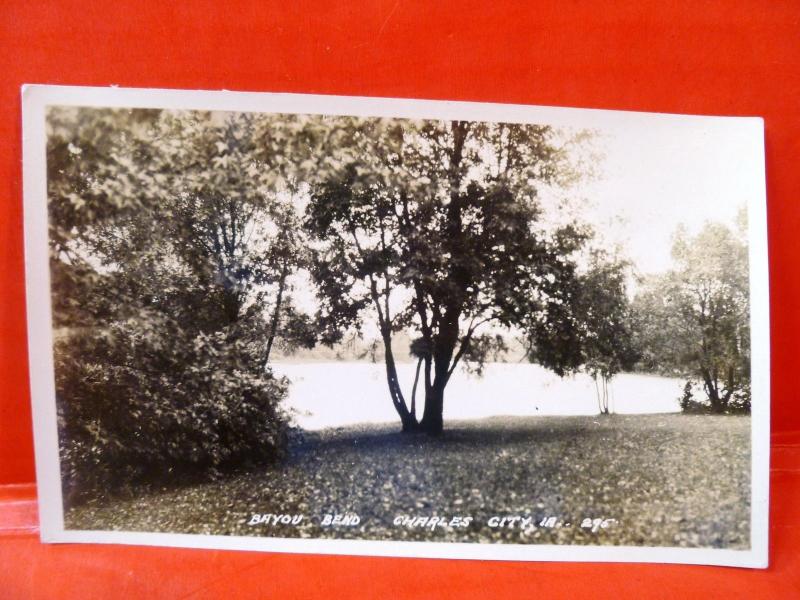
(660, 480)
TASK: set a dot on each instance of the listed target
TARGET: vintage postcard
(397, 327)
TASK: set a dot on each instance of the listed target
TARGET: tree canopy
(606, 338)
(436, 226)
(171, 246)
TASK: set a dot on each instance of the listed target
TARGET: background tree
(695, 319)
(607, 340)
(436, 226)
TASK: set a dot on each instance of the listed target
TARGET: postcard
(391, 327)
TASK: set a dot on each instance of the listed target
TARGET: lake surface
(333, 394)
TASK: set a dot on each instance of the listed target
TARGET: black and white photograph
(397, 327)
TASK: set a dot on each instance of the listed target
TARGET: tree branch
(464, 344)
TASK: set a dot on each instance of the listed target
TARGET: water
(331, 394)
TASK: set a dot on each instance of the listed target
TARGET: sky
(669, 172)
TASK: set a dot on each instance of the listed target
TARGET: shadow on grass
(483, 433)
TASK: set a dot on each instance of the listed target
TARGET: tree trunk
(712, 391)
(444, 348)
(601, 387)
(597, 391)
(276, 314)
(730, 386)
(409, 422)
(432, 418)
(414, 390)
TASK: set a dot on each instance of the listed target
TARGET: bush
(688, 404)
(740, 401)
(141, 402)
(738, 404)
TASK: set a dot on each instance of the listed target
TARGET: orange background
(728, 58)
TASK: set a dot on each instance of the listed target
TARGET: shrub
(738, 404)
(141, 402)
(740, 401)
(689, 404)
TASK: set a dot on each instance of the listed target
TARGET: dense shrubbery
(170, 259)
(140, 402)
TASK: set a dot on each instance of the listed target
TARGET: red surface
(737, 58)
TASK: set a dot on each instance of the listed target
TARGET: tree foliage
(171, 250)
(694, 319)
(145, 401)
(435, 226)
(605, 314)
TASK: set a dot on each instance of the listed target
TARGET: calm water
(328, 394)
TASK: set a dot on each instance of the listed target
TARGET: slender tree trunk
(601, 388)
(414, 390)
(408, 421)
(604, 400)
(276, 314)
(597, 390)
(729, 389)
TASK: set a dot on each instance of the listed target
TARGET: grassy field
(657, 480)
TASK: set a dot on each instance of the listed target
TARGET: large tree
(170, 252)
(436, 227)
(695, 319)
